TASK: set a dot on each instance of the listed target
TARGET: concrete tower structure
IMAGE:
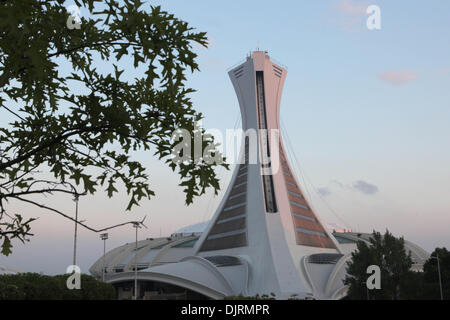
(264, 215)
(264, 237)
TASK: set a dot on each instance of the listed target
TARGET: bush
(33, 286)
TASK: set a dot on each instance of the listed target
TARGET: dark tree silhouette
(390, 255)
(431, 275)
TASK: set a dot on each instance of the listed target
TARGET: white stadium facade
(264, 237)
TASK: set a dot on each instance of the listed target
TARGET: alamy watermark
(74, 19)
(374, 280)
(74, 280)
(190, 148)
(374, 20)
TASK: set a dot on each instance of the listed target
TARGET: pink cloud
(350, 14)
(398, 78)
(351, 7)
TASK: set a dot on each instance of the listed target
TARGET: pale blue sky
(357, 105)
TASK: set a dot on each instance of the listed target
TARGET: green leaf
(6, 246)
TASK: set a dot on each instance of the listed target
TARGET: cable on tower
(299, 171)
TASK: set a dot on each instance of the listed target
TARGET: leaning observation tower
(264, 237)
(264, 215)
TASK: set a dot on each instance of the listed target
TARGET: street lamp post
(77, 196)
(137, 226)
(439, 274)
(364, 283)
(104, 237)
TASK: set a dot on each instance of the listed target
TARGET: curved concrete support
(194, 273)
(306, 274)
(213, 269)
(340, 293)
(177, 281)
(338, 267)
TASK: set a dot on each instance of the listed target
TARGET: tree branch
(68, 133)
(76, 221)
(15, 194)
(13, 232)
(14, 113)
(94, 45)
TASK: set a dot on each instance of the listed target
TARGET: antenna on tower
(257, 48)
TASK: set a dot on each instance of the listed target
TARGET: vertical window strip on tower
(269, 194)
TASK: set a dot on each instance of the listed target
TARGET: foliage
(390, 255)
(78, 117)
(431, 276)
(271, 296)
(33, 286)
(256, 297)
(399, 282)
